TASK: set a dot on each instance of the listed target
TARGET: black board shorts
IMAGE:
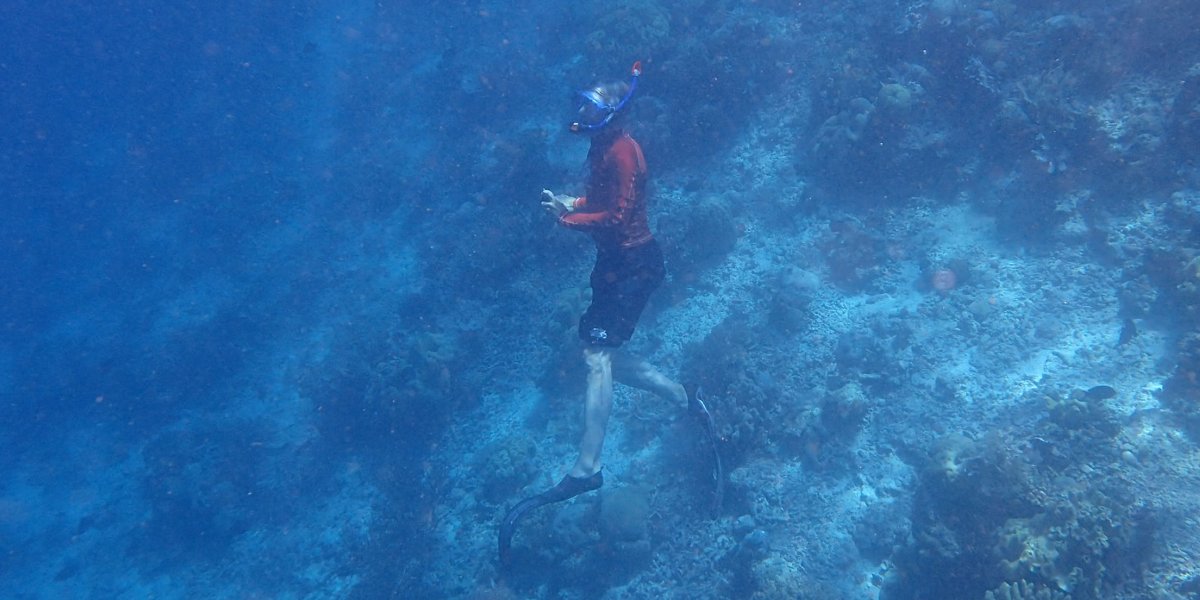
(622, 282)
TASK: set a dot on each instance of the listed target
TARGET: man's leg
(597, 407)
(586, 475)
(636, 372)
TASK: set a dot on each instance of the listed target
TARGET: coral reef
(699, 235)
(792, 296)
(1023, 590)
(635, 28)
(855, 256)
(738, 367)
(987, 516)
(934, 262)
(506, 465)
(624, 514)
(1184, 123)
(391, 381)
(1181, 392)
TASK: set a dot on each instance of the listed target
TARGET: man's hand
(557, 204)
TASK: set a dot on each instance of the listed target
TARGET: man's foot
(567, 488)
(571, 486)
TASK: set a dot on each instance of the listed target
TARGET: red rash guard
(614, 209)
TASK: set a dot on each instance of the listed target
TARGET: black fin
(509, 525)
(567, 488)
(699, 409)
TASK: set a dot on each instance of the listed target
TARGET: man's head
(598, 107)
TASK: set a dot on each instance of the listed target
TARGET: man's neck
(605, 138)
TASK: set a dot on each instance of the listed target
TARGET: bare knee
(599, 360)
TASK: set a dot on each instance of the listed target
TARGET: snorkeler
(629, 267)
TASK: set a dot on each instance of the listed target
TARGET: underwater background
(282, 317)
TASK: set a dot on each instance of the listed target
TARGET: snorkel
(596, 100)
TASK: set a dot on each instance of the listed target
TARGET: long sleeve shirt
(613, 210)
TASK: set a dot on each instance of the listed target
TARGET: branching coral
(775, 577)
(1028, 547)
(505, 465)
(855, 256)
(1082, 414)
(1023, 590)
(411, 382)
(1047, 511)
(838, 135)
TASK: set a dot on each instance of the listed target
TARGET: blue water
(283, 318)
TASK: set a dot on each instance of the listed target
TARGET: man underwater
(629, 267)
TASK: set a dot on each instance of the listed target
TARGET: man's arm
(624, 157)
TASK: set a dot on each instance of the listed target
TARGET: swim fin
(567, 488)
(698, 409)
